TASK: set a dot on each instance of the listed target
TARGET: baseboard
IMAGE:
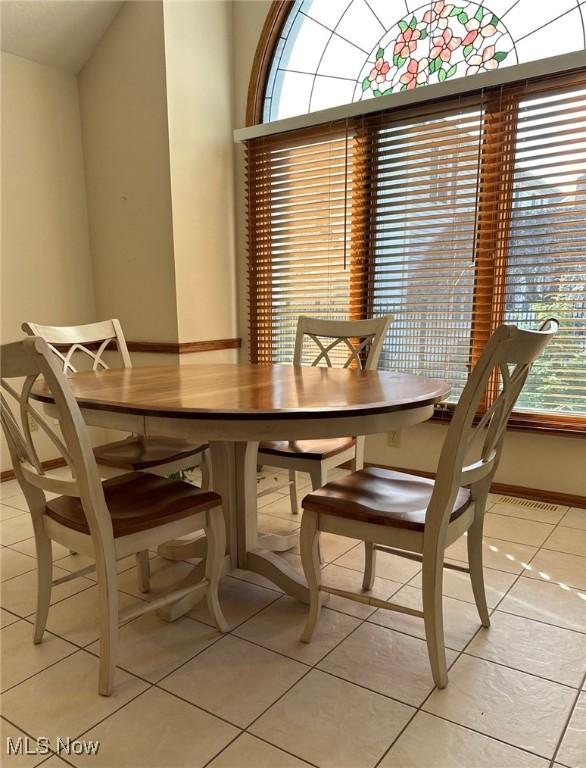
(553, 497)
(8, 474)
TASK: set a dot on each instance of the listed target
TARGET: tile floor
(361, 695)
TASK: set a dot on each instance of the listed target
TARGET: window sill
(525, 422)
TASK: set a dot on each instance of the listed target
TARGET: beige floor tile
(322, 720)
(272, 524)
(19, 595)
(334, 546)
(74, 563)
(461, 620)
(266, 500)
(9, 488)
(249, 752)
(16, 500)
(496, 554)
(55, 762)
(77, 618)
(272, 480)
(457, 584)
(21, 658)
(279, 628)
(570, 540)
(384, 661)
(7, 513)
(239, 600)
(280, 506)
(572, 751)
(156, 730)
(18, 760)
(63, 700)
(512, 706)
(345, 578)
(28, 547)
(7, 618)
(235, 680)
(551, 652)
(14, 563)
(152, 648)
(390, 567)
(516, 530)
(547, 602)
(430, 742)
(165, 574)
(575, 517)
(16, 529)
(558, 567)
(552, 516)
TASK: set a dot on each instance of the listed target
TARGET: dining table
(234, 407)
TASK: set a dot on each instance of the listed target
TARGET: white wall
(198, 80)
(126, 150)
(46, 265)
(542, 461)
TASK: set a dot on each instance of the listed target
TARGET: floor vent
(530, 504)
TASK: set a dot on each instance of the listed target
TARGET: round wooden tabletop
(245, 392)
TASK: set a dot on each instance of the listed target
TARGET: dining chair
(418, 518)
(105, 520)
(136, 453)
(351, 343)
(160, 455)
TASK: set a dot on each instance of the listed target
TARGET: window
(332, 52)
(453, 215)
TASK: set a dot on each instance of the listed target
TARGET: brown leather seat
(307, 449)
(137, 501)
(381, 496)
(138, 453)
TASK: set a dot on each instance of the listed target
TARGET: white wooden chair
(416, 518)
(105, 520)
(360, 343)
(137, 453)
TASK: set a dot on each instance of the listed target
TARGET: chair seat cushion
(382, 497)
(137, 453)
(307, 449)
(136, 501)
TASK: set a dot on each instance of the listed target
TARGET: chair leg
(206, 472)
(309, 541)
(293, 492)
(358, 460)
(108, 593)
(143, 571)
(216, 551)
(433, 619)
(44, 583)
(369, 565)
(319, 477)
(476, 570)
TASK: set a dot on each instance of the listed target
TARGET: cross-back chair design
(105, 520)
(416, 518)
(360, 342)
(86, 344)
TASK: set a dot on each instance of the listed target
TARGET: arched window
(331, 52)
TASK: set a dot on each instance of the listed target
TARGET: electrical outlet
(394, 438)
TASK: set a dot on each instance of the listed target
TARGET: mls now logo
(23, 745)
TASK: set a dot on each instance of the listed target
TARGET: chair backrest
(67, 341)
(25, 361)
(473, 446)
(361, 340)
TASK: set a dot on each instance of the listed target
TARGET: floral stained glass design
(334, 52)
(465, 38)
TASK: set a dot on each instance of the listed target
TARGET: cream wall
(46, 265)
(122, 93)
(198, 80)
(545, 462)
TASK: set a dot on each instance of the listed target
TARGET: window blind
(454, 216)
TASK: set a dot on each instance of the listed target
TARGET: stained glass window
(333, 52)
